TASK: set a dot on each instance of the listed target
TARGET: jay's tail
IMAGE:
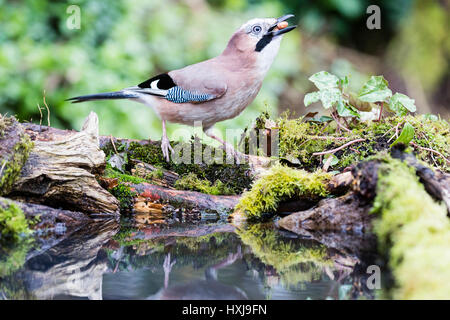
(124, 94)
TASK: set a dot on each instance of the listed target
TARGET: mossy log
(436, 183)
(148, 194)
(350, 213)
(15, 146)
(61, 167)
(79, 258)
(48, 217)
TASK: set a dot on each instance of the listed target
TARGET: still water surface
(109, 260)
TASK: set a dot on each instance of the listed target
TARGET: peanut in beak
(282, 25)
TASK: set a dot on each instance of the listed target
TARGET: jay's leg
(165, 143)
(167, 268)
(229, 149)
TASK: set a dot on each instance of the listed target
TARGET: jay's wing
(195, 84)
(180, 86)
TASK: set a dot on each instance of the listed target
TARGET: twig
(326, 138)
(339, 124)
(3, 167)
(48, 111)
(354, 150)
(381, 112)
(396, 131)
(429, 144)
(322, 138)
(113, 144)
(391, 138)
(430, 150)
(337, 149)
(325, 126)
(396, 128)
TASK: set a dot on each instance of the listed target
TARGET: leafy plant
(332, 94)
(406, 135)
(376, 90)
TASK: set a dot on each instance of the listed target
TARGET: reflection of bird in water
(208, 289)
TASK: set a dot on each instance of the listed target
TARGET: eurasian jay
(213, 90)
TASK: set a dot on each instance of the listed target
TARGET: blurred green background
(124, 42)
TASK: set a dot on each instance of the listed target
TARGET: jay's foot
(168, 264)
(166, 147)
(230, 151)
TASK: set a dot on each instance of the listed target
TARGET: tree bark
(60, 170)
(148, 194)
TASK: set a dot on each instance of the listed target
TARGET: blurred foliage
(423, 39)
(124, 42)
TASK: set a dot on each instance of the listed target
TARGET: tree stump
(60, 170)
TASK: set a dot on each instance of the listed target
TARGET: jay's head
(260, 35)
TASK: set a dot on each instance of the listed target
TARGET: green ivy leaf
(324, 80)
(401, 104)
(375, 90)
(430, 116)
(334, 160)
(343, 82)
(311, 98)
(329, 97)
(325, 119)
(406, 135)
(346, 110)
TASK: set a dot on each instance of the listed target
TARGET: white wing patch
(154, 85)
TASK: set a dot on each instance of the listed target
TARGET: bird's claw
(238, 156)
(168, 264)
(166, 147)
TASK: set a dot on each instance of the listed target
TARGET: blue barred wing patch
(179, 95)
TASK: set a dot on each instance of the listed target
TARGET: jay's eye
(256, 29)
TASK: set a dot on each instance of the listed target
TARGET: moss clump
(280, 183)
(11, 165)
(415, 232)
(300, 139)
(114, 174)
(293, 260)
(13, 255)
(232, 179)
(192, 182)
(125, 195)
(13, 223)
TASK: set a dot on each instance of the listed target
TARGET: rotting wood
(60, 170)
(149, 172)
(350, 213)
(189, 199)
(48, 217)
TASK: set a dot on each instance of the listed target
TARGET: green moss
(13, 223)
(125, 195)
(5, 122)
(194, 183)
(294, 261)
(112, 173)
(148, 153)
(414, 231)
(229, 178)
(13, 255)
(300, 139)
(10, 167)
(281, 183)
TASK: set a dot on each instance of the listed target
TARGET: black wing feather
(165, 82)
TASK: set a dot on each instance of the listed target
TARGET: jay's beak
(281, 26)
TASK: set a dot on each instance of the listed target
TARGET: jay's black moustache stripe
(265, 40)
